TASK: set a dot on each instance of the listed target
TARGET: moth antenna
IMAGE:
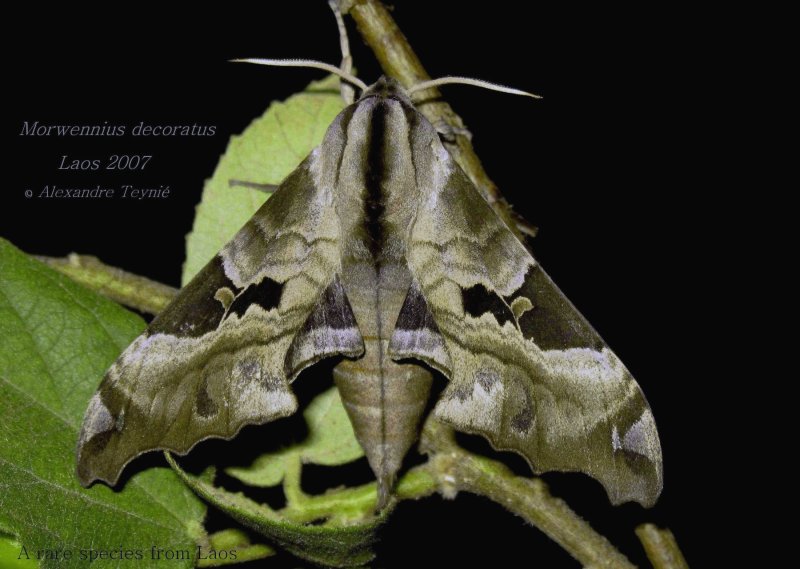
(314, 64)
(469, 81)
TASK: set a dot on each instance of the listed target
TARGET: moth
(379, 251)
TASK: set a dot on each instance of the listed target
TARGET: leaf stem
(661, 547)
(121, 286)
(295, 496)
(394, 53)
(352, 504)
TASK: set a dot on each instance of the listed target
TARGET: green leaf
(330, 544)
(232, 540)
(330, 442)
(265, 153)
(11, 556)
(58, 338)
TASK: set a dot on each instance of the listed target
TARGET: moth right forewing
(539, 381)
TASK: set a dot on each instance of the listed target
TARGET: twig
(347, 90)
(126, 288)
(661, 548)
(529, 498)
(397, 59)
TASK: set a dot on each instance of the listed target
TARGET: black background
(595, 165)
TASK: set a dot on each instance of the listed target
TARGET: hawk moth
(378, 250)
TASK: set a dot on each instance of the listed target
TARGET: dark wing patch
(416, 334)
(479, 300)
(553, 322)
(266, 294)
(204, 313)
(330, 329)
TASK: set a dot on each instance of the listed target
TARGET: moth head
(387, 88)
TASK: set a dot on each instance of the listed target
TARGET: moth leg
(347, 90)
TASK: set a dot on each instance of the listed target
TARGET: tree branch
(661, 548)
(398, 60)
(121, 286)
(529, 498)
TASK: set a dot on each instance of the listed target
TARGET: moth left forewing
(526, 370)
(221, 355)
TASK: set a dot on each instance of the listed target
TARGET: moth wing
(526, 369)
(222, 354)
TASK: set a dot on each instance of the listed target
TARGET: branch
(529, 498)
(121, 286)
(398, 60)
(661, 548)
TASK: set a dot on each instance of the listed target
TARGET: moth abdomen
(385, 402)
